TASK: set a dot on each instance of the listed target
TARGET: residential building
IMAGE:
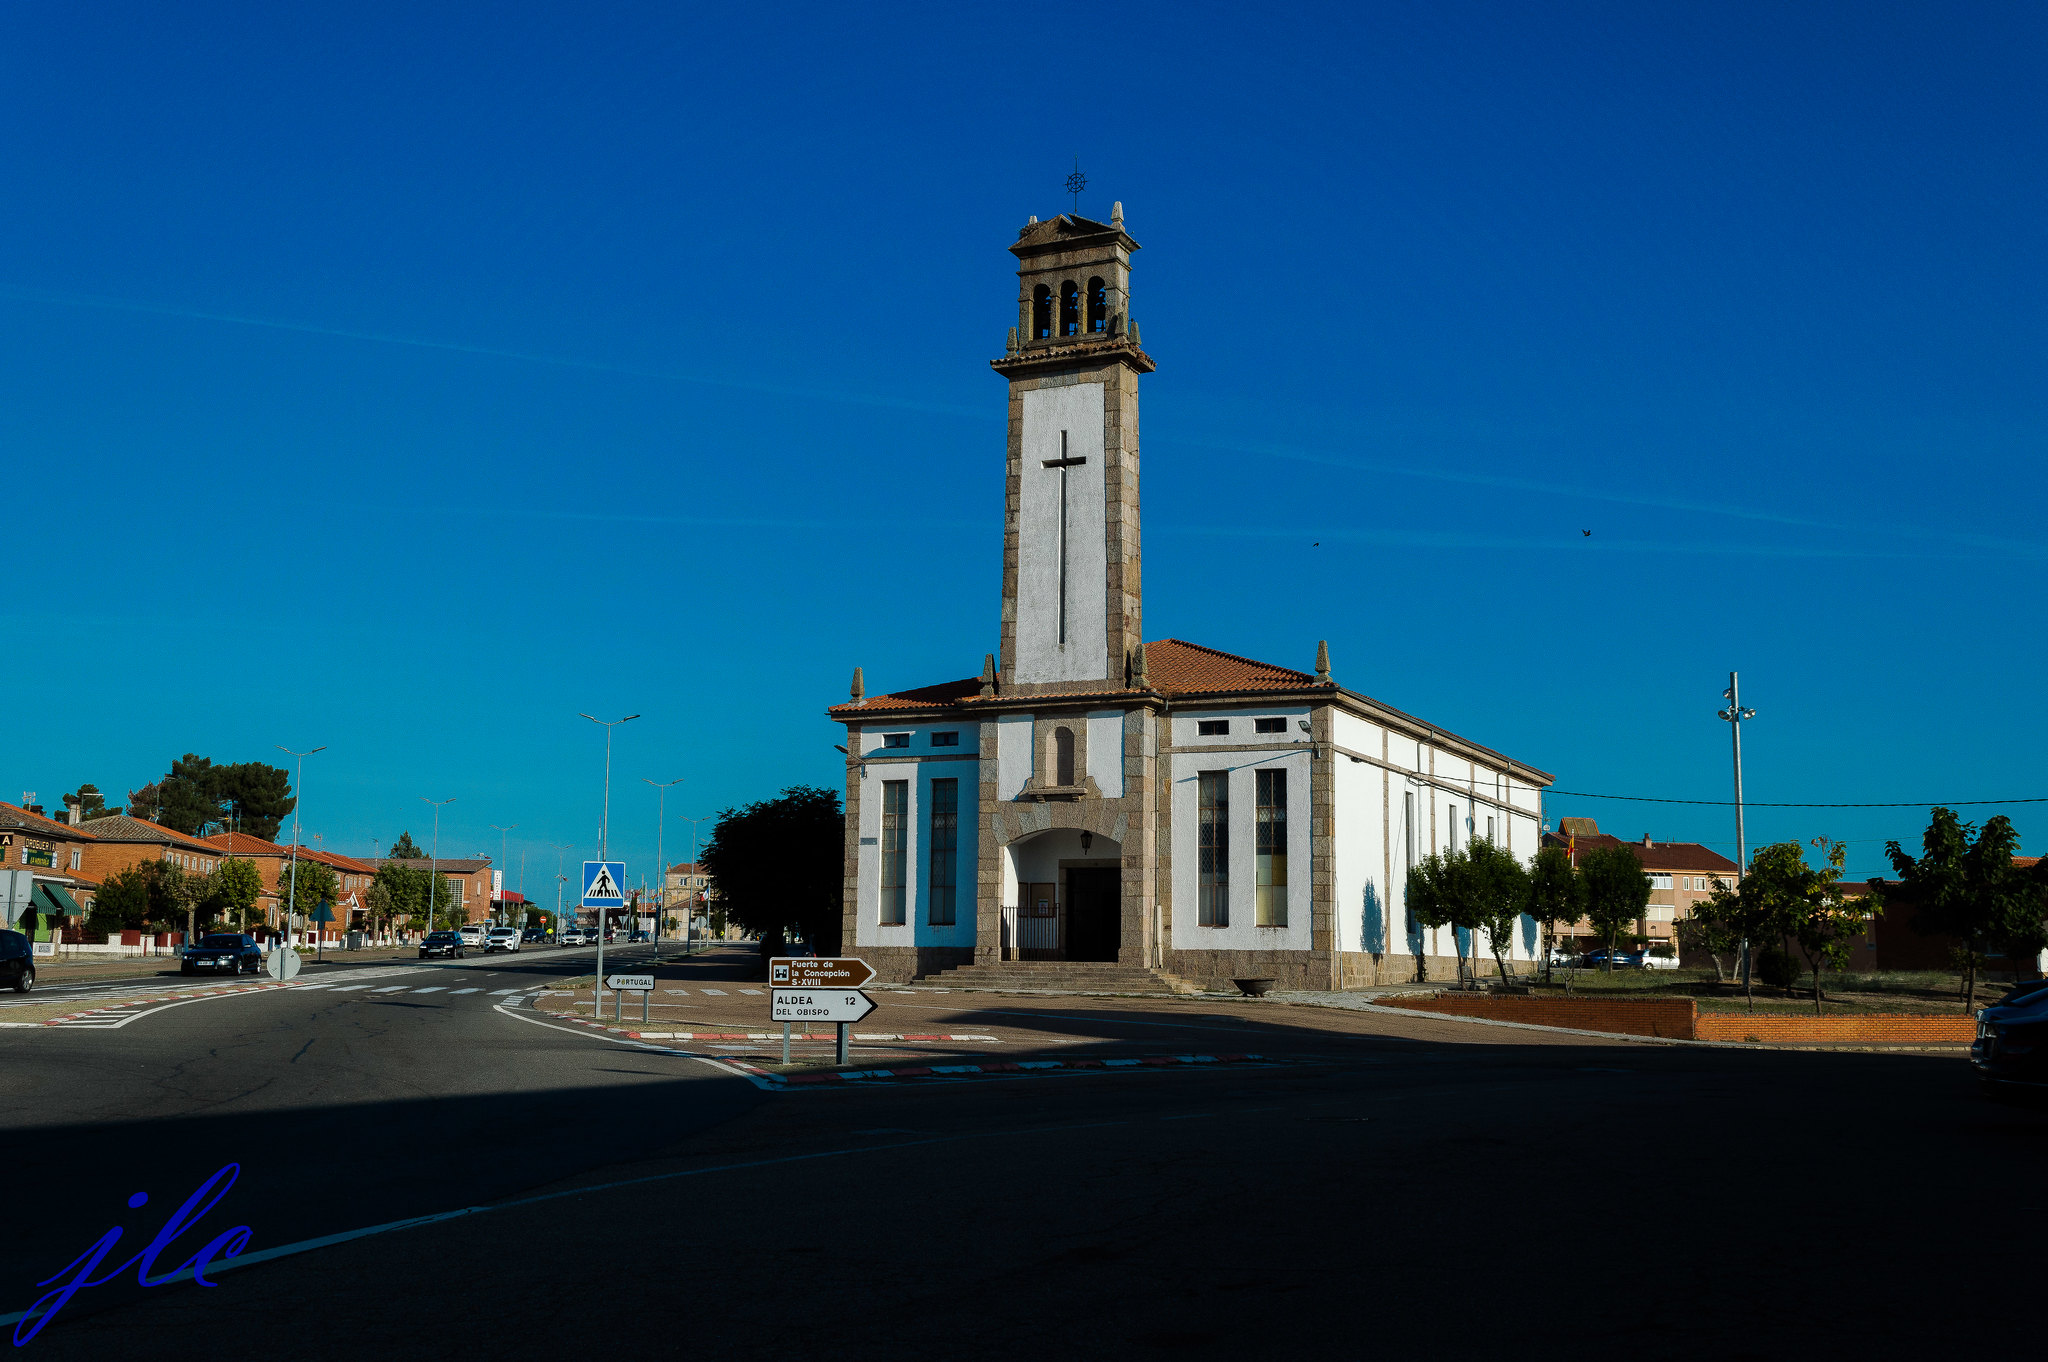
(1682, 875)
(1158, 806)
(469, 882)
(118, 841)
(54, 853)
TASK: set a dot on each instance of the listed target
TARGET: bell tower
(1072, 602)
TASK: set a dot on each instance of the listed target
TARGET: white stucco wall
(1013, 754)
(1106, 751)
(1076, 409)
(1241, 934)
(919, 775)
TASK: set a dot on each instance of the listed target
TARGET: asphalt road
(1468, 1189)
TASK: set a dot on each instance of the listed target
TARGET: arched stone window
(1070, 309)
(1098, 306)
(1041, 313)
(1063, 756)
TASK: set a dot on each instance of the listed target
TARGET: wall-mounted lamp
(1302, 724)
(1087, 840)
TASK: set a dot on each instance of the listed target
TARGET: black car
(2011, 1050)
(223, 953)
(533, 934)
(17, 962)
(442, 943)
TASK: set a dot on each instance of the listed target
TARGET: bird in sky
(1587, 533)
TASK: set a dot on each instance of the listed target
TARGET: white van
(473, 933)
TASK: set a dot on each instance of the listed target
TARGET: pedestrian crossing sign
(602, 881)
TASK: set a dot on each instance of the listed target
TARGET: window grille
(1213, 872)
(1269, 855)
(945, 842)
(895, 849)
(1212, 728)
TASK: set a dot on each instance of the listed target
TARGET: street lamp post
(561, 849)
(299, 784)
(604, 829)
(434, 855)
(660, 856)
(504, 834)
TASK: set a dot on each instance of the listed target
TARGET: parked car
(1622, 959)
(223, 953)
(501, 939)
(17, 962)
(533, 934)
(2010, 1053)
(473, 934)
(449, 944)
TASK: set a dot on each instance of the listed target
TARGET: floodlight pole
(433, 860)
(660, 856)
(1735, 714)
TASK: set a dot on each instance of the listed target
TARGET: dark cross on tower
(1063, 463)
(1077, 182)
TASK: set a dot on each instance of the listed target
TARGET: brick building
(55, 853)
(469, 882)
(1682, 874)
(118, 841)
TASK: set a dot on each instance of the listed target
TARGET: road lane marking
(394, 988)
(714, 992)
(437, 988)
(350, 988)
(751, 992)
(460, 990)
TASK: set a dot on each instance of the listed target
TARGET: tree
(377, 904)
(1968, 888)
(144, 896)
(1500, 888)
(407, 888)
(237, 884)
(781, 863)
(1617, 892)
(1702, 930)
(404, 849)
(1555, 896)
(1443, 891)
(316, 883)
(258, 797)
(1826, 918)
(88, 802)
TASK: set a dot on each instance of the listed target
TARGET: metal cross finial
(1077, 182)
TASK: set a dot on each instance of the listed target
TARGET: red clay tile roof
(1178, 667)
(924, 697)
(1684, 857)
(246, 844)
(14, 816)
(123, 827)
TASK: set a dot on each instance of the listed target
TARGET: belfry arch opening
(1041, 313)
(1070, 309)
(1098, 305)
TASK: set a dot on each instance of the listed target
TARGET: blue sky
(407, 379)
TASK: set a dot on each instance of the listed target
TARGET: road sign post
(622, 984)
(604, 888)
(838, 1005)
(282, 964)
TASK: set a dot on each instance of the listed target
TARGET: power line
(1759, 804)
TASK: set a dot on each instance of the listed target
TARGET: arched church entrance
(1063, 897)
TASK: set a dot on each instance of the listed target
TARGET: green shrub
(1778, 968)
(1662, 950)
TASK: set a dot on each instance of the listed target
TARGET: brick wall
(1672, 1020)
(1891, 1029)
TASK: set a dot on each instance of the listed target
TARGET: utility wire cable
(1764, 804)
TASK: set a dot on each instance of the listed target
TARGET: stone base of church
(1310, 970)
(901, 964)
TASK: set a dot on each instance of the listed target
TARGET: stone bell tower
(1072, 614)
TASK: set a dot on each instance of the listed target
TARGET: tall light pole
(1735, 714)
(604, 829)
(660, 857)
(689, 914)
(561, 849)
(298, 785)
(434, 856)
(504, 833)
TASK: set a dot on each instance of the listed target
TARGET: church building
(1096, 809)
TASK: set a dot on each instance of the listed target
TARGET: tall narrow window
(1063, 756)
(1070, 309)
(1213, 872)
(1451, 834)
(1098, 306)
(895, 849)
(1269, 855)
(1041, 313)
(944, 842)
(1489, 830)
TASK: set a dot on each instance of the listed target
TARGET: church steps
(1059, 975)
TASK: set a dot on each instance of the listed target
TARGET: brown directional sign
(801, 972)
